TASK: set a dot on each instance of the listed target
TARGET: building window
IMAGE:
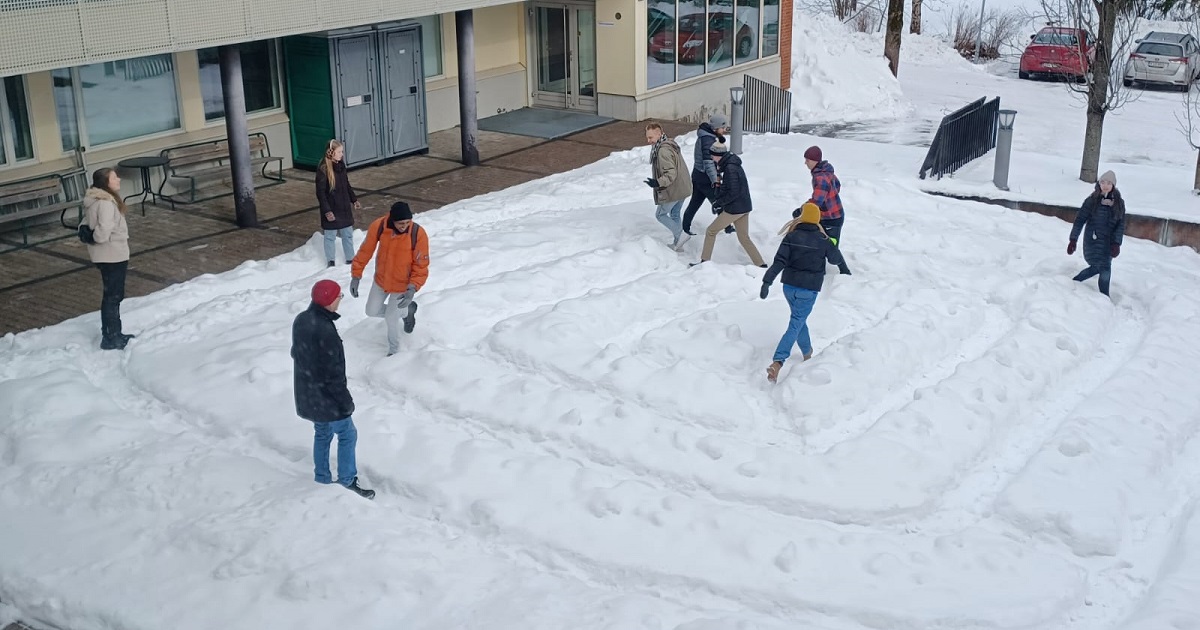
(431, 45)
(770, 28)
(94, 102)
(260, 78)
(16, 139)
(687, 38)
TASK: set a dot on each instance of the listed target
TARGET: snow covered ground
(579, 433)
(842, 86)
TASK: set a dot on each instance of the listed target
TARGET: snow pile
(579, 433)
(834, 79)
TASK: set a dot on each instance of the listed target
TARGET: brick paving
(52, 281)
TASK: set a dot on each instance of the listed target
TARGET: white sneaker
(683, 238)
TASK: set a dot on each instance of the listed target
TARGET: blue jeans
(347, 437)
(801, 301)
(1105, 276)
(347, 235)
(668, 215)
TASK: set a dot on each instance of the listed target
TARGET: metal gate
(768, 108)
(964, 135)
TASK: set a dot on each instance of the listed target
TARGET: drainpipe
(236, 130)
(464, 22)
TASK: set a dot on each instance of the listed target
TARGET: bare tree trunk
(1097, 105)
(1196, 184)
(895, 28)
(915, 26)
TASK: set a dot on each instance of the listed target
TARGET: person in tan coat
(670, 182)
(104, 212)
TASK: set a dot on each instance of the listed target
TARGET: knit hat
(400, 212)
(718, 148)
(813, 153)
(717, 121)
(807, 213)
(1109, 177)
(325, 292)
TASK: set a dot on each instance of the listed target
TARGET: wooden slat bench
(204, 166)
(38, 196)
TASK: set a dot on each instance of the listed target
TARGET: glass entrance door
(564, 55)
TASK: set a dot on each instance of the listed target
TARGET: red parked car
(689, 45)
(1054, 52)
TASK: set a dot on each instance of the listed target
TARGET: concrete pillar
(464, 22)
(245, 208)
(1003, 148)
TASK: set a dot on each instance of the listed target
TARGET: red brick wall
(785, 44)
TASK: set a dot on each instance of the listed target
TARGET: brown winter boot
(773, 371)
(808, 356)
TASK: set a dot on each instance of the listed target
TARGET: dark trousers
(113, 277)
(702, 190)
(1105, 276)
(833, 229)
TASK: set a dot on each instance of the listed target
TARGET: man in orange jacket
(400, 269)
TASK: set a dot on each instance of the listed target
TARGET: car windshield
(1055, 39)
(1155, 48)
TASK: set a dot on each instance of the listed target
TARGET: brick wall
(785, 44)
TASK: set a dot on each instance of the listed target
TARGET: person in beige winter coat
(104, 213)
(670, 181)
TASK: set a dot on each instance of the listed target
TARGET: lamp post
(1004, 148)
(737, 95)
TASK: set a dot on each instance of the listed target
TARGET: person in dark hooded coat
(337, 201)
(704, 170)
(1101, 220)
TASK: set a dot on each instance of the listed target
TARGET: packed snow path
(580, 434)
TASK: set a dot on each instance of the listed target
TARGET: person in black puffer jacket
(734, 204)
(1103, 216)
(704, 170)
(319, 383)
(337, 201)
(801, 258)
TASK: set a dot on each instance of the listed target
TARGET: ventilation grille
(40, 35)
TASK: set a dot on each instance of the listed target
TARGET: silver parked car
(1165, 59)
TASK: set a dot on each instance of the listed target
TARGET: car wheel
(744, 48)
(1128, 83)
(1022, 74)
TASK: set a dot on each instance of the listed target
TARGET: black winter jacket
(319, 367)
(1104, 219)
(801, 258)
(733, 195)
(340, 201)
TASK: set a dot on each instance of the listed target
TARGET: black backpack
(415, 228)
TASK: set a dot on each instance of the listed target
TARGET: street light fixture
(737, 93)
(1007, 118)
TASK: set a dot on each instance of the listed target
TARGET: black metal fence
(964, 135)
(768, 108)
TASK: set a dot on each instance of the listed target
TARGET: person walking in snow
(400, 270)
(704, 170)
(337, 201)
(108, 249)
(319, 381)
(668, 181)
(826, 193)
(801, 258)
(733, 202)
(1101, 219)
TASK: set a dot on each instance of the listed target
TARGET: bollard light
(1007, 117)
(737, 93)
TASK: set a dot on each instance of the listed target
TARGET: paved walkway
(53, 281)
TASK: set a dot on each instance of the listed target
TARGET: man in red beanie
(826, 193)
(319, 381)
(401, 269)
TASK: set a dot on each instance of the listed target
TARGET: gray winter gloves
(410, 293)
(354, 286)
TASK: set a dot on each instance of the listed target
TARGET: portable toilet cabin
(364, 86)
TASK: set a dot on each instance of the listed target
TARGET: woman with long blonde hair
(337, 201)
(104, 213)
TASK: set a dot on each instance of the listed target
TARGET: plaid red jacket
(827, 191)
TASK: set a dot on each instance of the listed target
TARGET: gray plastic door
(357, 102)
(404, 85)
